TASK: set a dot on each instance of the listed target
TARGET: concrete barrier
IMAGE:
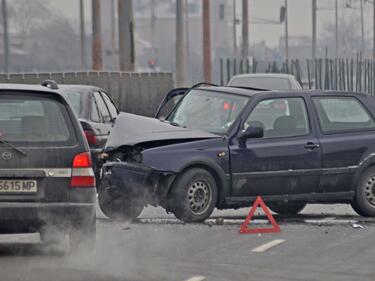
(138, 93)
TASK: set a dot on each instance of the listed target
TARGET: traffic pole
(97, 61)
(207, 65)
(180, 44)
(6, 36)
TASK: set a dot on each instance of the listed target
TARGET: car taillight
(82, 172)
(91, 137)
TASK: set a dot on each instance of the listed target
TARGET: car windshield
(33, 119)
(74, 99)
(208, 111)
(269, 83)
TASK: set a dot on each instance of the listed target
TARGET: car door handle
(311, 145)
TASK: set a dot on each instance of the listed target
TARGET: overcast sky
(299, 16)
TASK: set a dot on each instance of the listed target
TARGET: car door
(347, 129)
(287, 160)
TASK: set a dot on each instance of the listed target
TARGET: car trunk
(46, 167)
(37, 146)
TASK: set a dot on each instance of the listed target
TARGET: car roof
(231, 90)
(84, 88)
(250, 93)
(265, 75)
(27, 87)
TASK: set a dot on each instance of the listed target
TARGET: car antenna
(50, 84)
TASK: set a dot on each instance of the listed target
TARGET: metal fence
(138, 93)
(346, 74)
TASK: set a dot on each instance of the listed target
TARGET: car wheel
(286, 208)
(120, 207)
(364, 200)
(193, 196)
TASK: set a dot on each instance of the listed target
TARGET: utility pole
(113, 34)
(187, 39)
(153, 28)
(314, 8)
(234, 30)
(180, 44)
(126, 35)
(207, 67)
(83, 35)
(245, 29)
(6, 37)
(336, 29)
(373, 47)
(97, 61)
(286, 32)
(362, 30)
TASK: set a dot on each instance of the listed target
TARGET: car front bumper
(136, 180)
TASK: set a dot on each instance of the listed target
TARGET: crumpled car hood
(131, 129)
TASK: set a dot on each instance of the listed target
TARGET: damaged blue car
(221, 147)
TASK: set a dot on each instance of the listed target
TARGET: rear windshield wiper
(19, 150)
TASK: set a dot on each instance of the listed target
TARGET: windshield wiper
(171, 123)
(19, 150)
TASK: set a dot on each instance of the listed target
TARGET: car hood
(131, 129)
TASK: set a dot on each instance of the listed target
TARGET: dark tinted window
(281, 117)
(342, 114)
(34, 119)
(103, 110)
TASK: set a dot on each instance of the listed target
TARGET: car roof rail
(203, 84)
(249, 88)
(51, 84)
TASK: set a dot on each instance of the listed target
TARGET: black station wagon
(222, 147)
(47, 184)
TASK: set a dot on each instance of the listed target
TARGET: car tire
(119, 208)
(193, 196)
(364, 200)
(286, 208)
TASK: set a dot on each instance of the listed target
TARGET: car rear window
(34, 118)
(75, 101)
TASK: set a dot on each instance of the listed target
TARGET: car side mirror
(250, 133)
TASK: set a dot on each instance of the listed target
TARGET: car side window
(112, 108)
(280, 117)
(337, 114)
(103, 110)
(94, 115)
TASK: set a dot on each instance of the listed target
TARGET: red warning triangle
(244, 229)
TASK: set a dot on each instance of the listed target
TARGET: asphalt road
(324, 243)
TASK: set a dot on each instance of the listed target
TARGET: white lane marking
(196, 278)
(330, 222)
(267, 246)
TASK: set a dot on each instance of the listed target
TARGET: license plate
(18, 186)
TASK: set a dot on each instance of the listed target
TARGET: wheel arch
(366, 164)
(221, 179)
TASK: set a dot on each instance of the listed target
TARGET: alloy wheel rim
(199, 197)
(370, 191)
